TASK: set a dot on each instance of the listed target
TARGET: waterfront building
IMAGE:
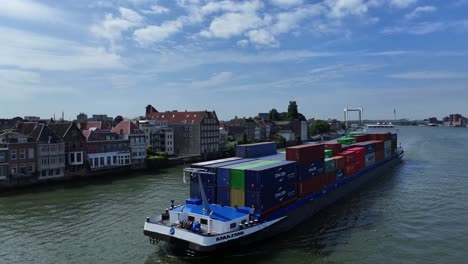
(75, 147)
(50, 153)
(223, 135)
(195, 132)
(456, 120)
(158, 134)
(240, 128)
(129, 131)
(105, 150)
(18, 158)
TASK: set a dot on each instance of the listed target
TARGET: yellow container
(237, 197)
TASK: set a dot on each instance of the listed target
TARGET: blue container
(256, 150)
(369, 146)
(269, 199)
(280, 156)
(339, 175)
(212, 166)
(209, 191)
(223, 196)
(212, 162)
(310, 169)
(270, 176)
(223, 178)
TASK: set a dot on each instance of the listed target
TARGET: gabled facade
(18, 152)
(75, 148)
(195, 132)
(105, 150)
(50, 153)
(158, 134)
(4, 168)
(129, 131)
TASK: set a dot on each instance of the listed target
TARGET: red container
(361, 138)
(358, 151)
(349, 169)
(380, 136)
(311, 185)
(379, 145)
(359, 165)
(305, 153)
(340, 162)
(334, 147)
(348, 156)
(379, 155)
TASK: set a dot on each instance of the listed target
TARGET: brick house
(129, 131)
(18, 152)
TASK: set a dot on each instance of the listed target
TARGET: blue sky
(235, 57)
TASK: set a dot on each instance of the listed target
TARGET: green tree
(274, 115)
(150, 150)
(244, 139)
(280, 140)
(320, 127)
(293, 113)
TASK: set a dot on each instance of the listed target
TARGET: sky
(238, 58)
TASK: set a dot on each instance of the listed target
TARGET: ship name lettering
(221, 238)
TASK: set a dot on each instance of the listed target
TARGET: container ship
(260, 193)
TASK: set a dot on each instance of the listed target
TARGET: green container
(237, 174)
(346, 141)
(328, 153)
(330, 165)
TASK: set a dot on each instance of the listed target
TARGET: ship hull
(293, 215)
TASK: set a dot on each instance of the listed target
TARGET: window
(13, 170)
(233, 225)
(51, 172)
(96, 162)
(13, 155)
(108, 160)
(31, 167)
(2, 171)
(78, 157)
(101, 160)
(2, 157)
(22, 170)
(43, 173)
(72, 157)
(191, 218)
(22, 154)
(58, 171)
(203, 221)
(30, 153)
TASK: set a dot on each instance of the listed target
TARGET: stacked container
(334, 147)
(360, 138)
(379, 150)
(388, 148)
(394, 143)
(328, 153)
(340, 166)
(310, 166)
(256, 150)
(369, 146)
(270, 186)
(346, 141)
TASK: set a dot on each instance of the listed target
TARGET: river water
(415, 213)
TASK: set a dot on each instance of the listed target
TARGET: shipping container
(267, 199)
(310, 169)
(279, 156)
(368, 145)
(237, 197)
(223, 196)
(380, 136)
(237, 174)
(370, 159)
(330, 178)
(305, 153)
(223, 173)
(348, 156)
(212, 162)
(340, 162)
(328, 153)
(346, 141)
(379, 145)
(212, 167)
(349, 169)
(330, 165)
(360, 138)
(256, 150)
(334, 147)
(388, 145)
(270, 176)
(379, 155)
(311, 185)
(210, 192)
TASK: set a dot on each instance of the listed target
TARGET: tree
(274, 115)
(117, 120)
(280, 140)
(292, 110)
(244, 139)
(320, 127)
(150, 150)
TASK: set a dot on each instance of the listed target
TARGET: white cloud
(154, 34)
(213, 81)
(157, 9)
(402, 3)
(420, 10)
(111, 27)
(286, 21)
(417, 29)
(341, 8)
(29, 10)
(242, 43)
(287, 3)
(26, 50)
(426, 75)
(262, 37)
(231, 24)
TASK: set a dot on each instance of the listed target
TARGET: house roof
(60, 129)
(86, 133)
(43, 134)
(126, 127)
(90, 124)
(194, 117)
